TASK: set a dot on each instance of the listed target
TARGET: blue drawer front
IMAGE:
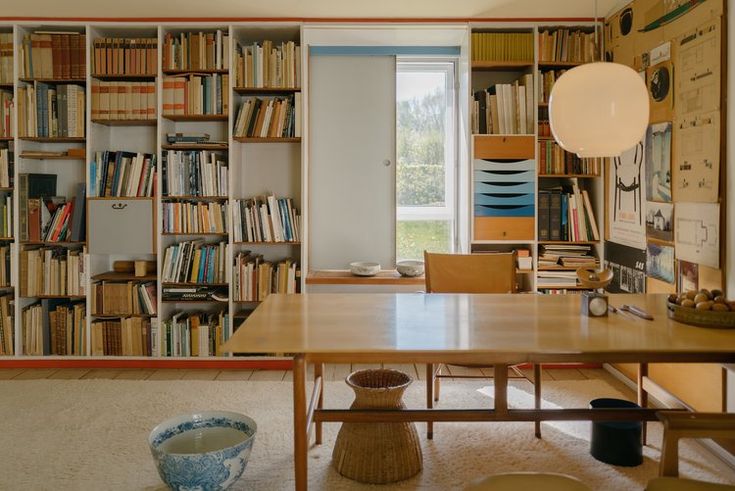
(504, 176)
(504, 199)
(505, 187)
(504, 211)
(507, 165)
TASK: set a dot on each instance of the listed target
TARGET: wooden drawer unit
(504, 228)
(503, 147)
(121, 226)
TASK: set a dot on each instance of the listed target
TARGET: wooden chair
(472, 273)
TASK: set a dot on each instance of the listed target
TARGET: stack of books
(266, 219)
(54, 327)
(124, 299)
(268, 65)
(194, 262)
(52, 271)
(195, 218)
(6, 58)
(566, 45)
(53, 55)
(566, 256)
(131, 336)
(505, 109)
(196, 95)
(113, 101)
(566, 214)
(553, 160)
(254, 278)
(195, 334)
(273, 117)
(125, 56)
(7, 114)
(123, 174)
(194, 173)
(502, 46)
(51, 111)
(196, 51)
(7, 161)
(7, 332)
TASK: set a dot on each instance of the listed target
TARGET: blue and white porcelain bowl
(204, 451)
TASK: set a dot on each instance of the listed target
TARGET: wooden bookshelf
(81, 81)
(568, 242)
(502, 66)
(558, 64)
(6, 86)
(126, 122)
(147, 77)
(51, 243)
(196, 72)
(51, 157)
(269, 243)
(203, 234)
(195, 146)
(54, 139)
(118, 198)
(193, 197)
(252, 139)
(196, 117)
(116, 276)
(265, 90)
(188, 283)
(579, 176)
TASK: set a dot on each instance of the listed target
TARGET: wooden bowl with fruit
(703, 308)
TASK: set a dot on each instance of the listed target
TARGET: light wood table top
(532, 328)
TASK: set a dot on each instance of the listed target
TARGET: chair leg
(537, 396)
(437, 382)
(429, 398)
(669, 465)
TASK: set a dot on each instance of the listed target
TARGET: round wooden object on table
(589, 278)
(378, 453)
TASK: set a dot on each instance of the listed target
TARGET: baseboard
(659, 398)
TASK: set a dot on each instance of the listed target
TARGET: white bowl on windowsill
(410, 269)
(364, 268)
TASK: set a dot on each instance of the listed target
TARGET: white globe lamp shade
(599, 109)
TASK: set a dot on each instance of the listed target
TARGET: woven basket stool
(378, 453)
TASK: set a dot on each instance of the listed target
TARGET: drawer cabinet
(121, 226)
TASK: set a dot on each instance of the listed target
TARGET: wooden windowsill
(344, 277)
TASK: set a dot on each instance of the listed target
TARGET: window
(426, 158)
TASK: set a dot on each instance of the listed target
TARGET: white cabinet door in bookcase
(123, 226)
(352, 206)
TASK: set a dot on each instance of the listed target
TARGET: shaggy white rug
(92, 434)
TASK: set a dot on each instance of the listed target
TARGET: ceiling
(309, 8)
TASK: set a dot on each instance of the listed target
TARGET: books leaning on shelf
(52, 271)
(502, 46)
(53, 219)
(5, 257)
(194, 173)
(7, 332)
(124, 299)
(553, 160)
(265, 65)
(7, 114)
(265, 219)
(195, 218)
(6, 58)
(565, 256)
(53, 55)
(254, 278)
(54, 327)
(114, 101)
(566, 45)
(46, 110)
(194, 262)
(130, 336)
(548, 78)
(7, 162)
(566, 214)
(125, 56)
(196, 95)
(196, 51)
(195, 334)
(271, 117)
(6, 217)
(121, 173)
(505, 109)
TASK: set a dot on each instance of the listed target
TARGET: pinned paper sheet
(660, 221)
(698, 71)
(627, 197)
(628, 265)
(658, 162)
(697, 232)
(660, 262)
(660, 83)
(697, 147)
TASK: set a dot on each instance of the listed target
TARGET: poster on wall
(658, 162)
(698, 65)
(660, 83)
(627, 195)
(697, 170)
(660, 221)
(697, 232)
(628, 265)
(660, 262)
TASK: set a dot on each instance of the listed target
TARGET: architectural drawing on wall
(697, 227)
(628, 195)
(658, 162)
(660, 221)
(628, 265)
(697, 169)
(688, 276)
(698, 66)
(660, 262)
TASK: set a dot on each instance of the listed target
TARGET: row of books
(196, 51)
(271, 117)
(7, 163)
(7, 114)
(254, 278)
(130, 336)
(194, 173)
(546, 82)
(566, 256)
(46, 110)
(53, 55)
(554, 160)
(7, 331)
(265, 219)
(53, 219)
(268, 65)
(124, 298)
(6, 57)
(5, 256)
(195, 218)
(123, 100)
(195, 334)
(54, 327)
(502, 46)
(177, 292)
(566, 214)
(56, 271)
(6, 217)
(505, 109)
(567, 45)
(121, 173)
(125, 56)
(33, 186)
(196, 94)
(194, 262)
(544, 128)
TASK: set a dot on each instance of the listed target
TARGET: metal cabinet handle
(119, 206)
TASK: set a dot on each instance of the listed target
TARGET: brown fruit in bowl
(731, 304)
(706, 305)
(701, 297)
(720, 299)
(688, 303)
(706, 292)
(691, 295)
(717, 293)
(720, 307)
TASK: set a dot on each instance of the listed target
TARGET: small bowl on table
(410, 269)
(364, 268)
(207, 450)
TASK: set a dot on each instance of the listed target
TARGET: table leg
(319, 372)
(501, 389)
(429, 398)
(537, 395)
(642, 396)
(300, 431)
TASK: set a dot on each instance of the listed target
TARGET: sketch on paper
(658, 162)
(697, 231)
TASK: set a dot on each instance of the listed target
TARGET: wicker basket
(701, 318)
(378, 453)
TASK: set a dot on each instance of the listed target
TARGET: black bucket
(616, 442)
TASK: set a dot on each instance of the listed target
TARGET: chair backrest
(470, 273)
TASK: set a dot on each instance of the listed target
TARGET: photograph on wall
(660, 262)
(660, 82)
(688, 276)
(697, 232)
(627, 197)
(660, 221)
(628, 265)
(658, 162)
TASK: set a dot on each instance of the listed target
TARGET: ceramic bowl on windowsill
(364, 268)
(410, 269)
